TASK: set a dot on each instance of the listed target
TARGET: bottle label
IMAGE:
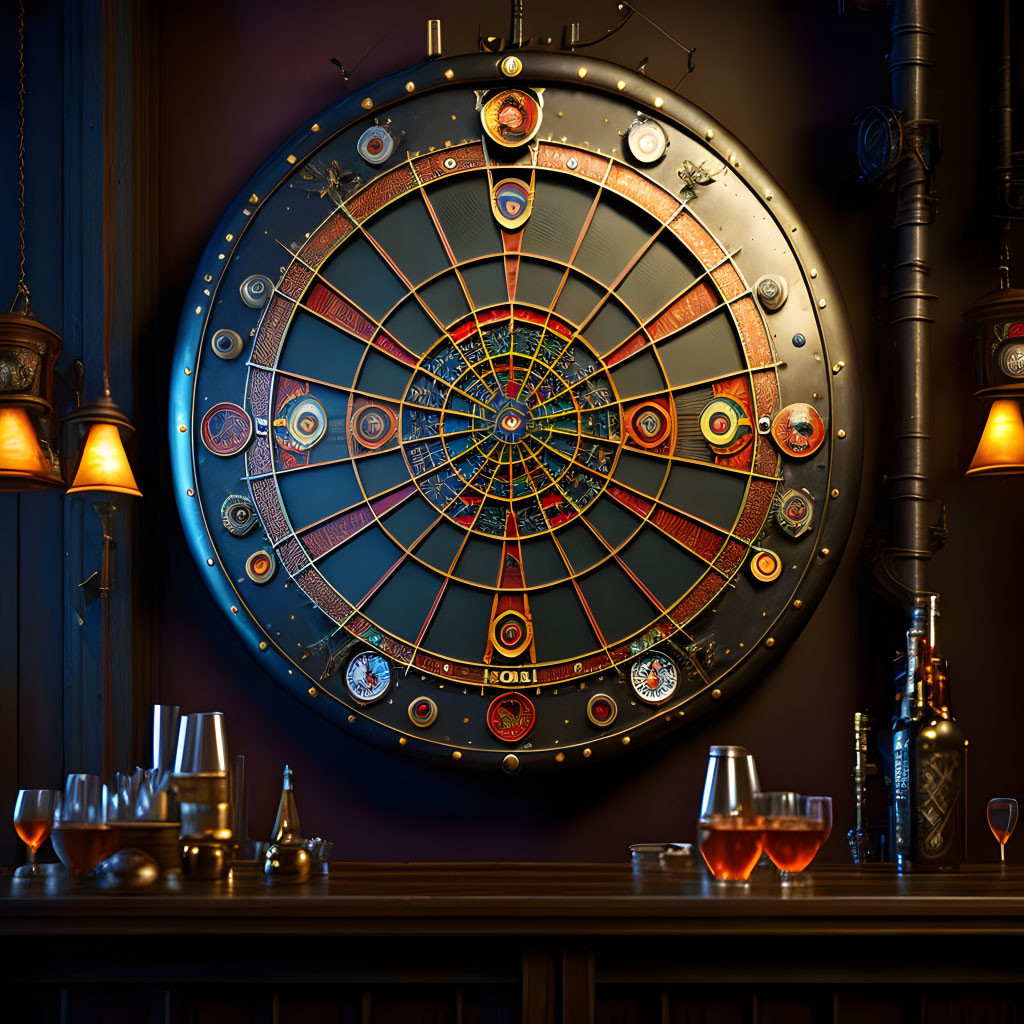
(939, 797)
(901, 793)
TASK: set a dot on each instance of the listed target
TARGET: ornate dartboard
(512, 415)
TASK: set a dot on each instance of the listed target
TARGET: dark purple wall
(789, 78)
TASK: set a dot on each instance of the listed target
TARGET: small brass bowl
(204, 860)
(287, 862)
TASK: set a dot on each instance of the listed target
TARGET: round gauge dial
(535, 464)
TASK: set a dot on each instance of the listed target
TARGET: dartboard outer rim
(834, 518)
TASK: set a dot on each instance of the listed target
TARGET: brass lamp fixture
(28, 357)
(997, 328)
(103, 465)
(997, 320)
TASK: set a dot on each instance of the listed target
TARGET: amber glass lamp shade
(104, 465)
(23, 464)
(1001, 449)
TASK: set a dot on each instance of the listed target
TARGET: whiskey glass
(730, 832)
(33, 811)
(1002, 820)
(81, 834)
(794, 829)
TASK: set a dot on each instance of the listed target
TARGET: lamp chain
(22, 286)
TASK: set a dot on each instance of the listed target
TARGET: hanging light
(28, 357)
(104, 464)
(21, 456)
(1001, 449)
(997, 329)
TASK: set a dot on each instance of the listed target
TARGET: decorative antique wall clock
(512, 413)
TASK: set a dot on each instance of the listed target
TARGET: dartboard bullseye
(487, 438)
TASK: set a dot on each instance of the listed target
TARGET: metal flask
(730, 784)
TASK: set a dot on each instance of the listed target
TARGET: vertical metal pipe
(515, 35)
(909, 68)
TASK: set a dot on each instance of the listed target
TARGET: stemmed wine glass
(794, 829)
(1002, 818)
(33, 810)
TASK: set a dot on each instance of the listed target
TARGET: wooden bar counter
(510, 942)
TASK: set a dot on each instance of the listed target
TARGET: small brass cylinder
(433, 38)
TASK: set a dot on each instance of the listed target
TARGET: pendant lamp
(103, 465)
(997, 330)
(28, 357)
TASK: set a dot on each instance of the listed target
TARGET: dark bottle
(935, 757)
(909, 714)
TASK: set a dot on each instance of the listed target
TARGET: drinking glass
(826, 813)
(1002, 819)
(81, 835)
(730, 833)
(33, 811)
(794, 830)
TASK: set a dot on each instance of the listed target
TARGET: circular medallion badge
(423, 712)
(226, 429)
(726, 426)
(765, 566)
(511, 716)
(654, 679)
(647, 140)
(238, 515)
(260, 566)
(300, 423)
(375, 145)
(511, 118)
(601, 710)
(368, 677)
(798, 430)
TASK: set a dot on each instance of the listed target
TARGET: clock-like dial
(541, 398)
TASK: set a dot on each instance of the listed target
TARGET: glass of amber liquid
(81, 835)
(33, 811)
(731, 845)
(1002, 819)
(794, 829)
(730, 830)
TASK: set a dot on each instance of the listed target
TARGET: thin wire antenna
(345, 73)
(608, 33)
(688, 50)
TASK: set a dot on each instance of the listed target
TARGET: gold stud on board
(402, 741)
(835, 492)
(587, 751)
(511, 66)
(312, 691)
(716, 694)
(798, 603)
(770, 642)
(456, 755)
(351, 719)
(560, 757)
(263, 645)
(366, 103)
(510, 763)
